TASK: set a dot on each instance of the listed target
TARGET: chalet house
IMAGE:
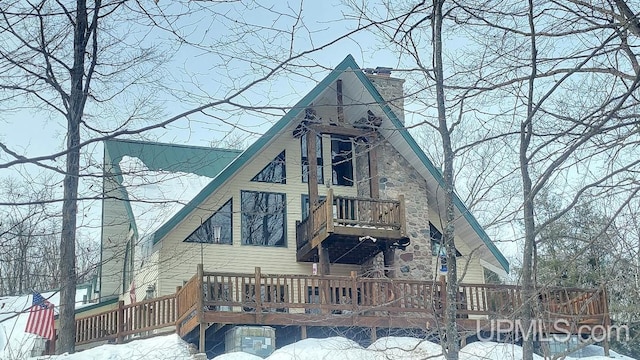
(334, 210)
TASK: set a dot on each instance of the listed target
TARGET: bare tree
(95, 65)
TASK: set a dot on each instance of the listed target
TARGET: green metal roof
(306, 101)
(199, 160)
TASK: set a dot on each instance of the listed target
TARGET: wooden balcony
(353, 229)
(305, 300)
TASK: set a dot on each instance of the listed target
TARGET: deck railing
(311, 295)
(134, 320)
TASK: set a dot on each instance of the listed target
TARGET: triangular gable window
(217, 229)
(274, 172)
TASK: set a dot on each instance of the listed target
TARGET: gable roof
(348, 64)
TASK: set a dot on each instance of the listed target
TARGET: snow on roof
(157, 195)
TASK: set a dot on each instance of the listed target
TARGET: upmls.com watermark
(558, 330)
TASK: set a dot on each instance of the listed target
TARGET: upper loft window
(305, 160)
(437, 247)
(274, 172)
(263, 218)
(217, 229)
(341, 160)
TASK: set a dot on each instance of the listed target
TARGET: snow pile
(169, 347)
(157, 195)
(594, 352)
(400, 348)
(321, 349)
(491, 350)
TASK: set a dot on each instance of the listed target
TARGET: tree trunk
(77, 99)
(451, 344)
(526, 131)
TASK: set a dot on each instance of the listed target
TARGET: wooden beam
(200, 306)
(303, 332)
(339, 100)
(374, 184)
(323, 258)
(389, 255)
(339, 130)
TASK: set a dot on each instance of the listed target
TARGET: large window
(263, 218)
(341, 161)
(305, 160)
(207, 232)
(274, 172)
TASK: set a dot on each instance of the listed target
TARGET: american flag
(40, 320)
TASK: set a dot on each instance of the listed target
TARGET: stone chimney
(390, 88)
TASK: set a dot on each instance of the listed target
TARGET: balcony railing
(334, 214)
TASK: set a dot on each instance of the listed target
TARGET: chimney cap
(379, 70)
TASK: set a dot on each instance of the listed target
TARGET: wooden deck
(347, 223)
(304, 300)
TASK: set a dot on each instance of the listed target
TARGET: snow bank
(322, 349)
(401, 348)
(492, 350)
(169, 347)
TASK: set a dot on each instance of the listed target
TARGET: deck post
(177, 309)
(330, 214)
(374, 334)
(258, 292)
(323, 251)
(200, 304)
(303, 332)
(120, 325)
(354, 291)
(606, 321)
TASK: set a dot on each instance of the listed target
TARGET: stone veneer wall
(391, 90)
(398, 177)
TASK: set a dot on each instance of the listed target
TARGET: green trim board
(306, 101)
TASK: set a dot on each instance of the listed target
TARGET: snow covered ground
(171, 347)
